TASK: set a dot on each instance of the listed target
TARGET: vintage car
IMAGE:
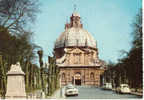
(71, 90)
(124, 88)
(107, 86)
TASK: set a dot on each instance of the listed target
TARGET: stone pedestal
(15, 82)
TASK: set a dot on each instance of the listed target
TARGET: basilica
(76, 55)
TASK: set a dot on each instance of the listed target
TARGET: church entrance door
(77, 79)
(77, 82)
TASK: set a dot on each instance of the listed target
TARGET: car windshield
(125, 86)
(70, 87)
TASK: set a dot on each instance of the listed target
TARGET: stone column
(15, 82)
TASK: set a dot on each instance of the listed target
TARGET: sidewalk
(137, 93)
(58, 94)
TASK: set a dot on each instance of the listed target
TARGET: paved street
(97, 93)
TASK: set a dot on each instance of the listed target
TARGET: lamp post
(60, 87)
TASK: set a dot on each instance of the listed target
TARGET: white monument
(15, 82)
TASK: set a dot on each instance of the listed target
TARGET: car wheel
(67, 95)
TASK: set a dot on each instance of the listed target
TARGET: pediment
(75, 50)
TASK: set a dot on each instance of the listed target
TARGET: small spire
(66, 20)
(67, 24)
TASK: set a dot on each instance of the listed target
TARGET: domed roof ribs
(77, 42)
(65, 40)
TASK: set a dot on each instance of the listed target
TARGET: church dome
(74, 35)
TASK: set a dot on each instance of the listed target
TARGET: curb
(136, 93)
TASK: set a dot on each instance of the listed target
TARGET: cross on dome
(75, 6)
(74, 12)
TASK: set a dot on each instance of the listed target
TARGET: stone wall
(88, 76)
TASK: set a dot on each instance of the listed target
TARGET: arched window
(91, 75)
(63, 76)
(77, 75)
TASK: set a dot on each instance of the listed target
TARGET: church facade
(77, 55)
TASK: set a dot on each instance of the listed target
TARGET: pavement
(86, 92)
(58, 94)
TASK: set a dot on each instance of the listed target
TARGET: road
(97, 93)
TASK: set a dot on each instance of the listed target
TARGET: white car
(107, 86)
(71, 90)
(124, 88)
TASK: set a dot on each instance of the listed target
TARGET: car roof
(69, 85)
(124, 84)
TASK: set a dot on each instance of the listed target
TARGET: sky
(108, 21)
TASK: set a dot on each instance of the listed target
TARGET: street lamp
(60, 87)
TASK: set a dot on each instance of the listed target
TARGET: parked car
(124, 88)
(71, 90)
(107, 86)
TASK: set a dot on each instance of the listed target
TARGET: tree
(17, 47)
(53, 76)
(15, 14)
(129, 68)
(40, 53)
(137, 30)
(135, 54)
(15, 38)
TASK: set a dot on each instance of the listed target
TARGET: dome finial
(75, 6)
(75, 12)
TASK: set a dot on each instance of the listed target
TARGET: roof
(75, 37)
